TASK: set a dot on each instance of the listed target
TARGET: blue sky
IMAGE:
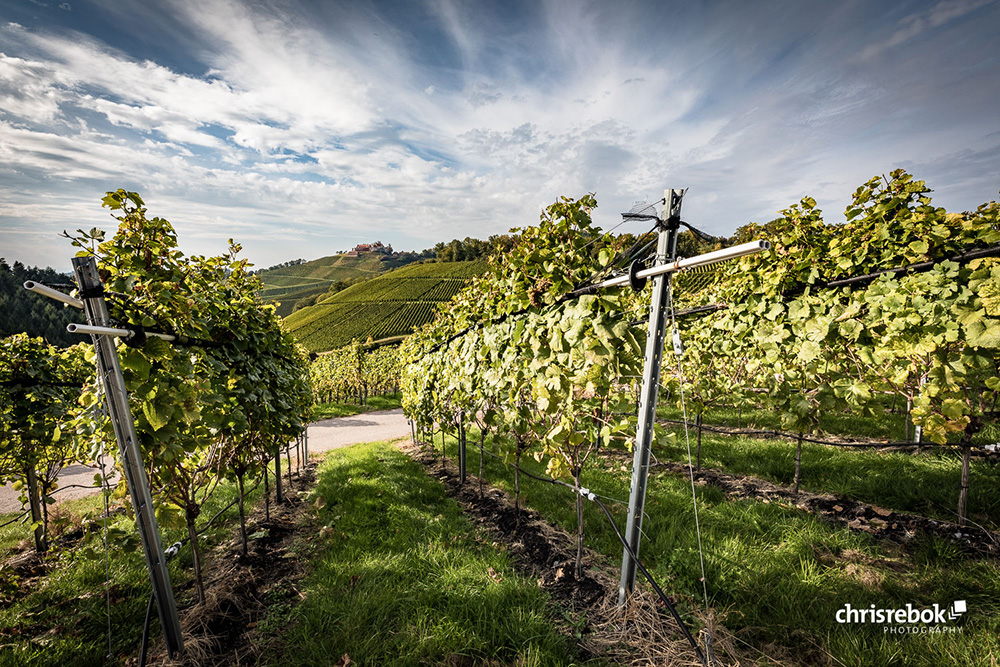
(302, 128)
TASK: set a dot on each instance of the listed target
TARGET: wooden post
(482, 461)
(579, 525)
(698, 423)
(267, 494)
(906, 421)
(461, 450)
(278, 497)
(36, 511)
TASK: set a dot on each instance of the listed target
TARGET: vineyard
(216, 391)
(894, 307)
(821, 440)
(354, 374)
(391, 305)
(290, 284)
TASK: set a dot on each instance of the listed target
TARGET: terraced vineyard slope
(288, 285)
(388, 306)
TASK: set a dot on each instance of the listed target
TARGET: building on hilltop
(370, 248)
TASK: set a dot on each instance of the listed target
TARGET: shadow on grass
(925, 483)
(777, 576)
(61, 618)
(400, 577)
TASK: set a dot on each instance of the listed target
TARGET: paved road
(68, 476)
(367, 427)
(324, 435)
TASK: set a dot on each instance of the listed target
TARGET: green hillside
(390, 305)
(289, 285)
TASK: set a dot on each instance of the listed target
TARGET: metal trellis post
(461, 449)
(278, 496)
(110, 374)
(666, 247)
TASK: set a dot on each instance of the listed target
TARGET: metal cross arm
(666, 262)
(112, 331)
(713, 257)
(44, 290)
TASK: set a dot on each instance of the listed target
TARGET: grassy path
(399, 576)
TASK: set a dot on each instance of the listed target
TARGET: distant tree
(22, 311)
(465, 250)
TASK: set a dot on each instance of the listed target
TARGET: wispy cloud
(304, 128)
(919, 23)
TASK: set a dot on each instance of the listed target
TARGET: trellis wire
(586, 493)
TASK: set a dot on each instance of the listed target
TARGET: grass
(400, 577)
(932, 476)
(63, 619)
(777, 575)
(330, 410)
(11, 535)
(890, 426)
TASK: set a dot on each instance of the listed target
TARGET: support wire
(687, 438)
(589, 495)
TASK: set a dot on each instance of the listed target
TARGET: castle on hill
(370, 248)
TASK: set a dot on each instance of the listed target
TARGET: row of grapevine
(928, 337)
(219, 404)
(546, 376)
(390, 288)
(339, 322)
(550, 373)
(404, 318)
(353, 373)
(445, 290)
(39, 385)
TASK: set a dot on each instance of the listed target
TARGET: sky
(303, 128)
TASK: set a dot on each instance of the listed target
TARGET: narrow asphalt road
(367, 427)
(323, 435)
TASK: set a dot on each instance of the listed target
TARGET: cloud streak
(303, 129)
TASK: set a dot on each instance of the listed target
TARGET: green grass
(926, 483)
(778, 575)
(392, 304)
(931, 477)
(11, 535)
(63, 619)
(403, 578)
(330, 410)
(889, 426)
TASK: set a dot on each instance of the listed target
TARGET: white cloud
(289, 125)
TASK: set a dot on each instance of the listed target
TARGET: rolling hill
(393, 304)
(288, 285)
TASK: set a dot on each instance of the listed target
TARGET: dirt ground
(239, 590)
(231, 628)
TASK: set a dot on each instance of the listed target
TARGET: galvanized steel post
(666, 248)
(110, 375)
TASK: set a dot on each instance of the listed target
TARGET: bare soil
(239, 590)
